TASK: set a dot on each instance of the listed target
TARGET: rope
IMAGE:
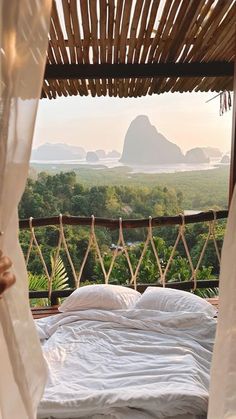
(162, 277)
(120, 243)
(211, 233)
(92, 240)
(149, 239)
(84, 260)
(172, 253)
(29, 249)
(182, 230)
(63, 239)
(97, 249)
(35, 242)
(124, 250)
(212, 227)
(181, 236)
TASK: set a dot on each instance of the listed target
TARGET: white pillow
(168, 299)
(101, 296)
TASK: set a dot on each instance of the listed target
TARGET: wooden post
(232, 178)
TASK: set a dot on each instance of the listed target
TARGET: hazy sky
(95, 123)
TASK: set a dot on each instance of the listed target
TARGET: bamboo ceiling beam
(122, 71)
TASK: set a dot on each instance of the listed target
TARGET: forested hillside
(118, 192)
(135, 197)
(62, 193)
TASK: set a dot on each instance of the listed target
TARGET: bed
(126, 363)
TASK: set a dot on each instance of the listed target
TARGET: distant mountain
(212, 152)
(101, 154)
(145, 145)
(110, 154)
(59, 151)
(196, 155)
(113, 154)
(225, 159)
(92, 157)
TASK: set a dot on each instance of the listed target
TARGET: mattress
(126, 364)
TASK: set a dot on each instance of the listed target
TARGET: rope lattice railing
(209, 218)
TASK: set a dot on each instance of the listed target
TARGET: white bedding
(126, 364)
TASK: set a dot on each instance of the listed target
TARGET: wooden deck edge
(40, 312)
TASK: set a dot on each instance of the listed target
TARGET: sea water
(152, 169)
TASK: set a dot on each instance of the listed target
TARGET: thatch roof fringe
(139, 32)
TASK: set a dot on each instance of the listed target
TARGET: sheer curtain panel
(222, 403)
(24, 26)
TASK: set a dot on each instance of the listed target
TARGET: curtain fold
(222, 403)
(24, 27)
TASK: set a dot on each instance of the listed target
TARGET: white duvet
(126, 364)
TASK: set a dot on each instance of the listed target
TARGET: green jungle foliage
(169, 194)
(39, 282)
(199, 189)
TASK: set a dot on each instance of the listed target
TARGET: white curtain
(24, 26)
(222, 404)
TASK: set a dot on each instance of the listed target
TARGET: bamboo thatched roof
(131, 48)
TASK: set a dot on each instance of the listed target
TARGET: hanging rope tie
(85, 256)
(181, 236)
(120, 243)
(125, 247)
(221, 104)
(145, 246)
(182, 230)
(33, 241)
(92, 240)
(210, 234)
(212, 231)
(150, 233)
(172, 252)
(30, 244)
(225, 102)
(229, 100)
(149, 239)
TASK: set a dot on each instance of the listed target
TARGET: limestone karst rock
(146, 146)
(196, 155)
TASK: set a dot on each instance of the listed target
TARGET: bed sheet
(126, 364)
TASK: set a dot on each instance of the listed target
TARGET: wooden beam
(120, 71)
(112, 223)
(183, 285)
(232, 178)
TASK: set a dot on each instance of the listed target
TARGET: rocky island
(196, 155)
(145, 145)
(58, 151)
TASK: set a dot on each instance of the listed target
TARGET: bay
(111, 163)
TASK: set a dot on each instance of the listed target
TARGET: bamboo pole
(232, 179)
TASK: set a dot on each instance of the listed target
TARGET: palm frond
(60, 278)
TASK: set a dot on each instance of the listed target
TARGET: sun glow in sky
(101, 123)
